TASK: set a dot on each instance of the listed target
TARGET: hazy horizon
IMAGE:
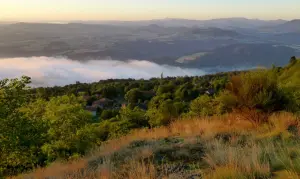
(134, 10)
(140, 20)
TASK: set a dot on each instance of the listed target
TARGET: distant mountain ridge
(221, 22)
(290, 26)
(235, 22)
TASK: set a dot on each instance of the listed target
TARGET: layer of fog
(48, 71)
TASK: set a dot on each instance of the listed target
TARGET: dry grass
(57, 169)
(279, 124)
(205, 127)
(286, 174)
(232, 160)
(136, 169)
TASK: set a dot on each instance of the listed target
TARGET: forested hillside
(206, 118)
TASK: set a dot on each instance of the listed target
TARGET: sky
(66, 10)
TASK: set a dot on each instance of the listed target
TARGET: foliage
(64, 117)
(108, 91)
(167, 88)
(108, 114)
(34, 133)
(137, 117)
(133, 96)
(258, 89)
(19, 135)
(219, 83)
(163, 113)
(227, 101)
(289, 80)
(202, 106)
(41, 125)
(186, 92)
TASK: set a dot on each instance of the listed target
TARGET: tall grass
(230, 161)
(233, 148)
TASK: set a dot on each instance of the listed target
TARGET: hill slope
(214, 147)
(254, 139)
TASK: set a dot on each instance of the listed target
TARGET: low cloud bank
(49, 71)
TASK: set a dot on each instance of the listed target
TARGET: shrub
(163, 114)
(293, 60)
(108, 114)
(202, 106)
(258, 89)
(226, 102)
(133, 95)
(135, 116)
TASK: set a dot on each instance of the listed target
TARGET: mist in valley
(59, 71)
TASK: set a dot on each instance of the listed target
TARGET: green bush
(133, 95)
(226, 102)
(108, 114)
(202, 106)
(257, 89)
(163, 113)
(137, 117)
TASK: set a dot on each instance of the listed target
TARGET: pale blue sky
(58, 10)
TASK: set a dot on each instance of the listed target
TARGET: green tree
(64, 116)
(108, 114)
(19, 135)
(108, 91)
(163, 113)
(186, 92)
(137, 117)
(219, 83)
(167, 88)
(62, 120)
(202, 106)
(133, 96)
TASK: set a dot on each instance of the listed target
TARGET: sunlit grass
(232, 148)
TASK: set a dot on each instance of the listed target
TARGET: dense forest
(42, 125)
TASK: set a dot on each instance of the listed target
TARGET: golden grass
(278, 124)
(136, 169)
(206, 128)
(57, 169)
(286, 175)
(227, 161)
